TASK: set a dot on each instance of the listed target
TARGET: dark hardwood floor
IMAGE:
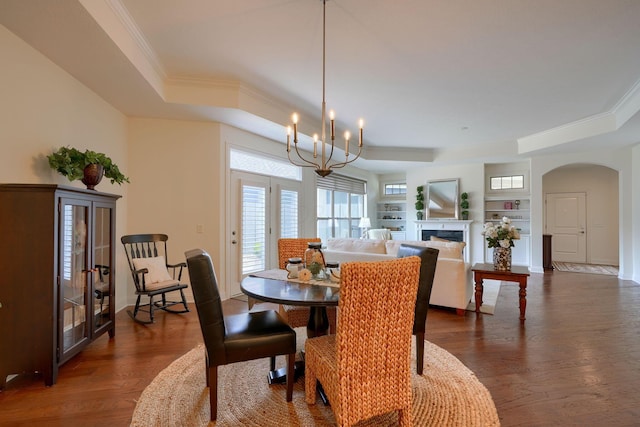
(575, 361)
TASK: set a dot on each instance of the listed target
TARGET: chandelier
(323, 167)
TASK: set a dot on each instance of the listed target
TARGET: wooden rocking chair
(147, 257)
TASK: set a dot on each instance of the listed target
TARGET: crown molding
(598, 124)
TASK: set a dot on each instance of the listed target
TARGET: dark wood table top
(291, 293)
(516, 270)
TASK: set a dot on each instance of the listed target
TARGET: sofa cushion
(440, 239)
(447, 249)
(357, 245)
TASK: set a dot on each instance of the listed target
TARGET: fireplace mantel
(450, 225)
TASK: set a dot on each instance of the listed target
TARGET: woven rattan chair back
(294, 315)
(376, 309)
(292, 248)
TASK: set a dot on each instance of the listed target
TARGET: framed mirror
(442, 199)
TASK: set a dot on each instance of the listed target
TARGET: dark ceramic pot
(93, 174)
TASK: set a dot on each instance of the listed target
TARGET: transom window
(395, 189)
(507, 182)
(257, 163)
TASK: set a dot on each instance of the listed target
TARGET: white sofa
(452, 285)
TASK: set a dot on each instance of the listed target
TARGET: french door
(263, 209)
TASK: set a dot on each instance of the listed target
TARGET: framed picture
(508, 205)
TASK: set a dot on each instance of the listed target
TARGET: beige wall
(42, 108)
(600, 184)
(175, 185)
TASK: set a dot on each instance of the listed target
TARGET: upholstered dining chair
(294, 315)
(428, 258)
(238, 338)
(376, 311)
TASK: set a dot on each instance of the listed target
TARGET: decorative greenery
(317, 263)
(501, 235)
(71, 162)
(464, 204)
(420, 198)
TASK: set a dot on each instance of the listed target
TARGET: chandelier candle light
(323, 167)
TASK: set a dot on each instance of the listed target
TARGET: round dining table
(273, 286)
(315, 295)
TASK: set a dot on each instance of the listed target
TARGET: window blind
(346, 184)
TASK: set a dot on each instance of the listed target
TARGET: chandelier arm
(302, 165)
(302, 158)
(330, 152)
(346, 162)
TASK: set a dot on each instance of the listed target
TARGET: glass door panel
(73, 274)
(102, 278)
(254, 228)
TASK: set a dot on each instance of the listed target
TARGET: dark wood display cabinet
(57, 290)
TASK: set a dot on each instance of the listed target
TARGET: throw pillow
(440, 239)
(448, 249)
(157, 267)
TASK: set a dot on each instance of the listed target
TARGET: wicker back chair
(294, 315)
(377, 301)
(429, 258)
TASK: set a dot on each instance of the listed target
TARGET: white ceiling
(435, 80)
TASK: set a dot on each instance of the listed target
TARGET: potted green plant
(88, 166)
(464, 204)
(420, 202)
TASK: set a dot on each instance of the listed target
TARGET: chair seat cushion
(257, 334)
(161, 285)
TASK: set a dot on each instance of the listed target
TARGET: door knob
(234, 242)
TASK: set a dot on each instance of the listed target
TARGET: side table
(517, 274)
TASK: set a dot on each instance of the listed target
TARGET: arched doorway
(582, 208)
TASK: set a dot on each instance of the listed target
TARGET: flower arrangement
(501, 235)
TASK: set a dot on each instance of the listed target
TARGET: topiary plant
(464, 204)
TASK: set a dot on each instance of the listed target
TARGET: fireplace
(454, 230)
(453, 235)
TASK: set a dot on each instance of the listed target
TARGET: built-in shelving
(518, 209)
(392, 214)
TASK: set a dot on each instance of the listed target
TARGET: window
(507, 182)
(288, 213)
(254, 207)
(255, 163)
(395, 189)
(341, 203)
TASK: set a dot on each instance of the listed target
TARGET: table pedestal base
(279, 376)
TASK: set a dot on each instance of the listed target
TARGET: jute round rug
(447, 394)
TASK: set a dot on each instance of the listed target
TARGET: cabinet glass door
(102, 277)
(74, 240)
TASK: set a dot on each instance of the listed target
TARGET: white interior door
(566, 222)
(263, 209)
